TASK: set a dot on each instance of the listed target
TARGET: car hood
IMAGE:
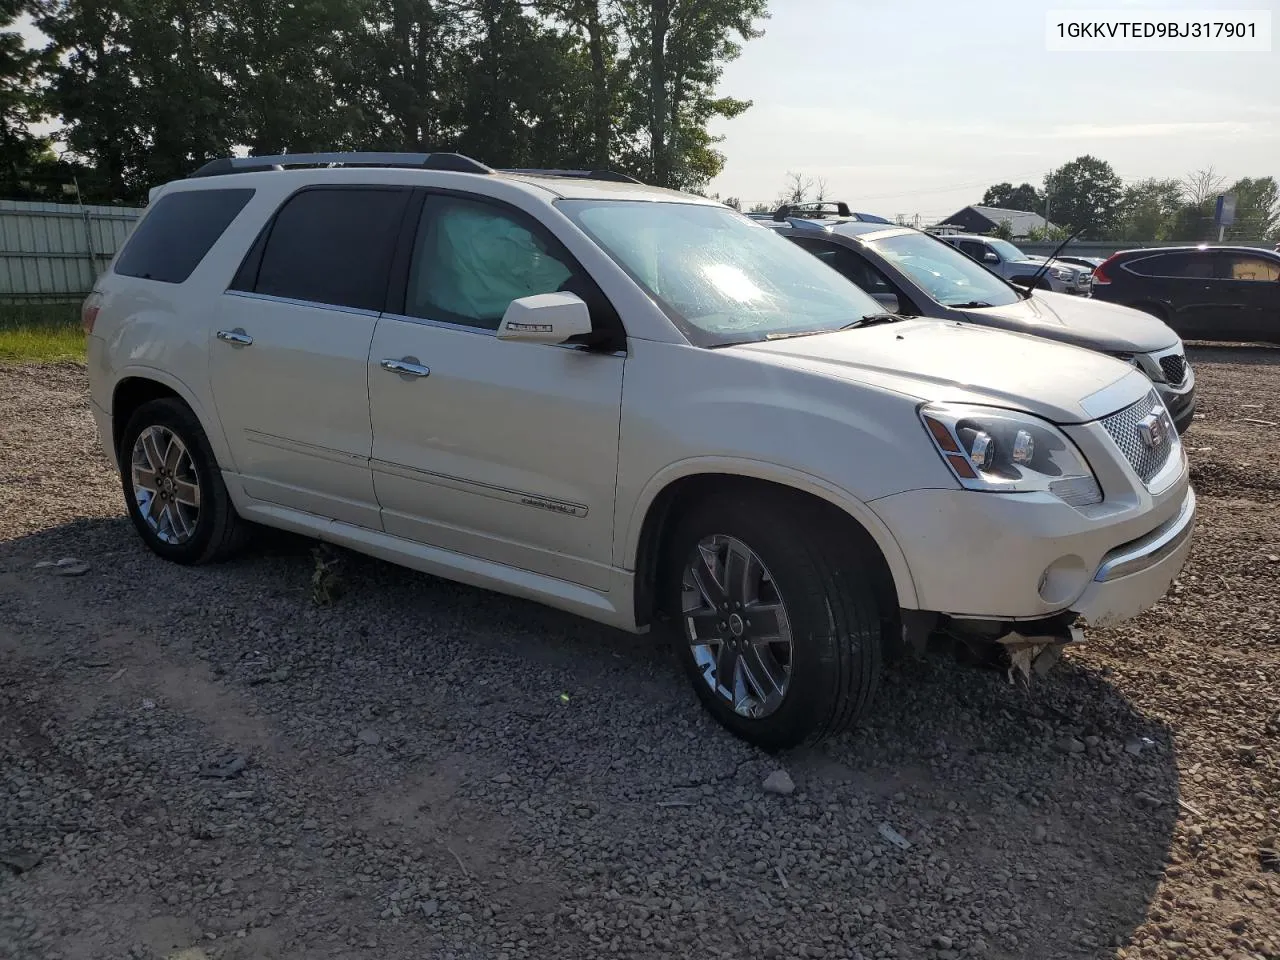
(1055, 264)
(945, 362)
(1082, 321)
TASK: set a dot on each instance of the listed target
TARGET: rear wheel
(778, 617)
(173, 488)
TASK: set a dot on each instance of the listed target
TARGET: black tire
(217, 531)
(827, 586)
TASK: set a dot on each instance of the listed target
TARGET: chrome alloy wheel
(165, 486)
(736, 624)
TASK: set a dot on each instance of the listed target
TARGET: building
(975, 219)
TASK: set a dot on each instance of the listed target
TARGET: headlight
(1061, 274)
(1004, 452)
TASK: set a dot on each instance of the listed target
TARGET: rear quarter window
(178, 231)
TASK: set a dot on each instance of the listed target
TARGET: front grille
(1123, 427)
(1174, 367)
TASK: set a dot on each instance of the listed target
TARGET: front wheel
(780, 625)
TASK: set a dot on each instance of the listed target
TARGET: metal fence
(55, 251)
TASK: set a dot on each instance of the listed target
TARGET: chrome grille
(1123, 427)
(1174, 367)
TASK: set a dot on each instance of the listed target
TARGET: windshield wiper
(867, 321)
(972, 304)
(871, 319)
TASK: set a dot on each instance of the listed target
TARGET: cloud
(1201, 129)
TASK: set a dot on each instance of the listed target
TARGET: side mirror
(990, 257)
(887, 300)
(545, 318)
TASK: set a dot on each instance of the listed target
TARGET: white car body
(536, 469)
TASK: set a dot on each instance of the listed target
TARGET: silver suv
(1002, 257)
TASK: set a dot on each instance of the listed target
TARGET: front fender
(784, 476)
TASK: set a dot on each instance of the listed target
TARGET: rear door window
(1191, 266)
(330, 245)
(178, 231)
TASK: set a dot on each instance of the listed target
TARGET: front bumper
(1180, 400)
(1012, 557)
(1135, 575)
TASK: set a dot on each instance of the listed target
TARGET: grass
(40, 333)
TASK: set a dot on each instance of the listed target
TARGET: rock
(1137, 745)
(228, 768)
(943, 943)
(280, 675)
(369, 737)
(1070, 745)
(66, 567)
(780, 783)
(429, 908)
(1040, 834)
(20, 861)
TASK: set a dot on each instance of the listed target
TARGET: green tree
(677, 52)
(1257, 209)
(1008, 197)
(1085, 194)
(1149, 210)
(1003, 230)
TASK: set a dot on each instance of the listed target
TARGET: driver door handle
(236, 337)
(406, 367)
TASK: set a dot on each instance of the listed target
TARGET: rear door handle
(406, 367)
(236, 337)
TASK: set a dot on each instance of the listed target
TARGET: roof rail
(455, 162)
(611, 175)
(797, 209)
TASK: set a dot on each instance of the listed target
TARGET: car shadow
(1048, 812)
(1248, 354)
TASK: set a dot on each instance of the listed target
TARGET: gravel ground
(209, 764)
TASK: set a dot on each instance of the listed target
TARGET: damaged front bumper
(1127, 581)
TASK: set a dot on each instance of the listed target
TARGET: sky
(916, 106)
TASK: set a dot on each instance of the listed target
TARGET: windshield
(1006, 250)
(948, 276)
(720, 277)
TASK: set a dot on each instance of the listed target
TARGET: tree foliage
(1085, 194)
(146, 90)
(1008, 197)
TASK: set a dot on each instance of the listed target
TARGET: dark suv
(1204, 293)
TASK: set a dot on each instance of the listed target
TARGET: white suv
(628, 403)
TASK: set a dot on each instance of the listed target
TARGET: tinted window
(471, 259)
(333, 246)
(177, 232)
(973, 249)
(1244, 267)
(848, 263)
(1190, 265)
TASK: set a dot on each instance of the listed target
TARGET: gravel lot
(209, 764)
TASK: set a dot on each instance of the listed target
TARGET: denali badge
(1152, 431)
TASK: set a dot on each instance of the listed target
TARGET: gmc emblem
(1152, 430)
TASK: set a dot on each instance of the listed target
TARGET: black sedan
(1204, 293)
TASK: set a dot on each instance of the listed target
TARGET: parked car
(628, 403)
(1077, 261)
(916, 274)
(1204, 293)
(1002, 257)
